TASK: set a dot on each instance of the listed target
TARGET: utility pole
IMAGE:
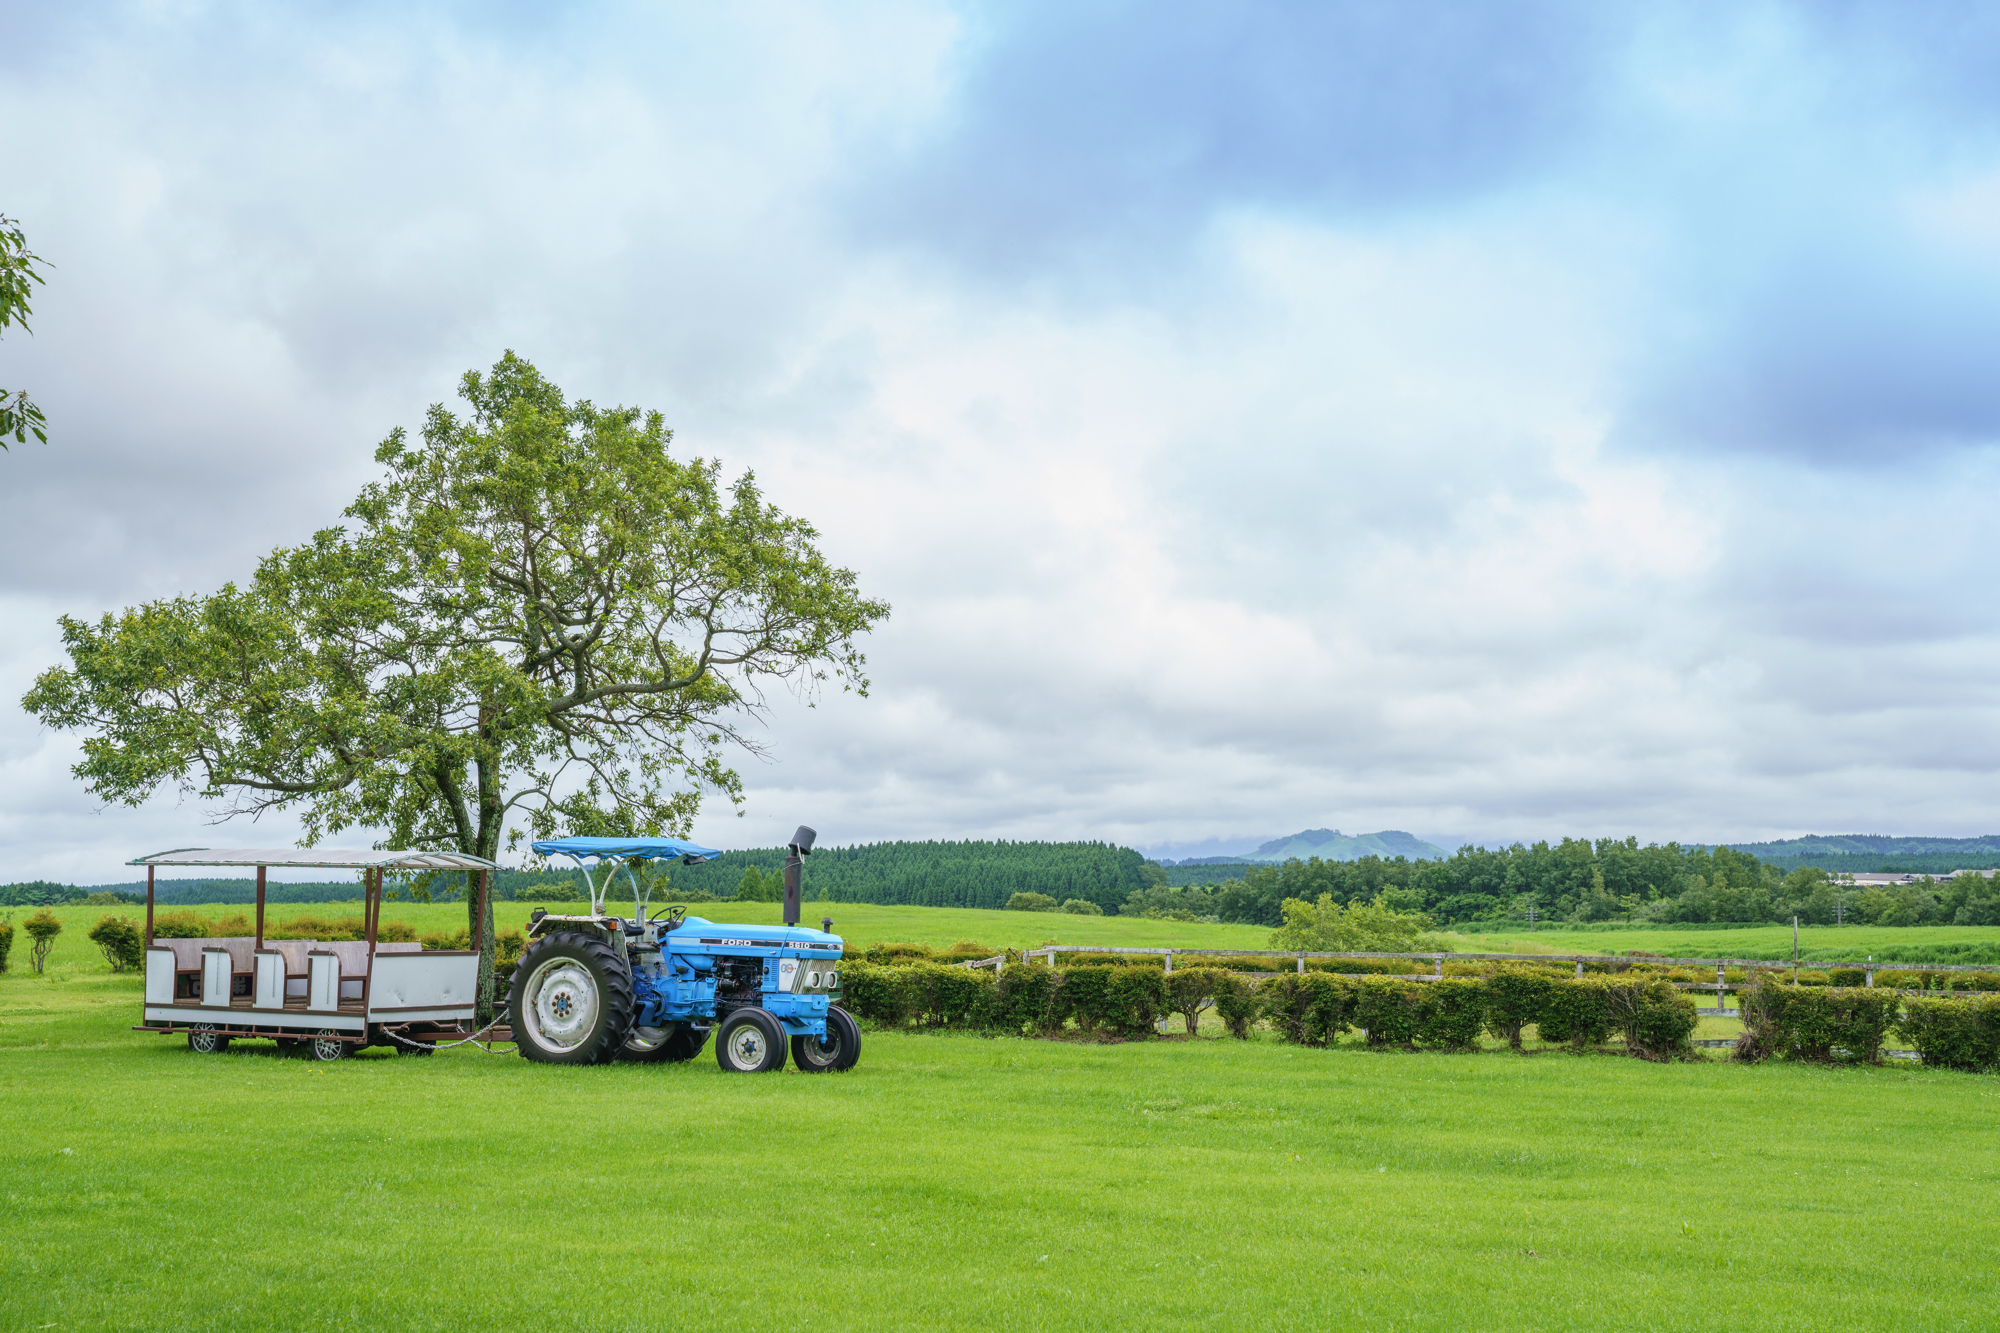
(1795, 951)
(1531, 916)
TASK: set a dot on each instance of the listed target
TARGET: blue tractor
(595, 988)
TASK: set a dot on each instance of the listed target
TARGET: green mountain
(1333, 845)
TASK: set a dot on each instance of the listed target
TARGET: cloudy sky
(1487, 421)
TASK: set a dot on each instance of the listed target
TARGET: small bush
(1953, 1034)
(1082, 907)
(899, 953)
(1452, 1013)
(1310, 1009)
(1024, 998)
(1158, 960)
(940, 996)
(1655, 1020)
(1236, 1005)
(1031, 902)
(42, 928)
(120, 939)
(110, 900)
(564, 891)
(1515, 997)
(181, 925)
(1973, 981)
(1847, 976)
(1575, 1013)
(314, 928)
(1811, 1023)
(6, 940)
(1191, 990)
(1390, 1010)
(873, 993)
(236, 925)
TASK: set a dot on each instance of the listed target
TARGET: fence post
(1440, 968)
(1579, 967)
(1302, 964)
(1170, 960)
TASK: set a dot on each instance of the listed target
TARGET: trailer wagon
(331, 996)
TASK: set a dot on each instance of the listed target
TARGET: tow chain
(447, 1045)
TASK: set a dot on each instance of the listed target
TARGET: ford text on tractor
(598, 987)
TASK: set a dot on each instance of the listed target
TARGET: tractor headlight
(832, 980)
(812, 981)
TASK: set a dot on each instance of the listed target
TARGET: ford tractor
(598, 987)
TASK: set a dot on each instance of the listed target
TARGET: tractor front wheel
(750, 1041)
(837, 1050)
(571, 1001)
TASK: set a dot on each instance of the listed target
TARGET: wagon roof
(325, 858)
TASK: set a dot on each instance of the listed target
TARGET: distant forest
(1575, 880)
(927, 874)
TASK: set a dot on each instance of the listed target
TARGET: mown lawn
(952, 1180)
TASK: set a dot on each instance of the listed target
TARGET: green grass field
(957, 1180)
(1815, 942)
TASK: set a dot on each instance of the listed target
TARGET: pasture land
(952, 1180)
(1829, 943)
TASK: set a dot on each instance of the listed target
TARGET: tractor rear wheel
(670, 1044)
(750, 1041)
(836, 1051)
(571, 1001)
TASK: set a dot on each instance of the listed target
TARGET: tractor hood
(695, 933)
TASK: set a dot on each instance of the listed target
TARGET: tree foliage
(18, 413)
(538, 616)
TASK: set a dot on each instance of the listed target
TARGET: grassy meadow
(958, 1180)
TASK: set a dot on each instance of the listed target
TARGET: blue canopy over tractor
(649, 849)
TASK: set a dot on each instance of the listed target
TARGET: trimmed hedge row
(1311, 1009)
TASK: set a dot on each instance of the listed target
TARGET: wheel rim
(324, 1047)
(562, 1004)
(823, 1050)
(204, 1040)
(644, 1041)
(746, 1046)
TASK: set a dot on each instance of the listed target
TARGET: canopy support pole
(150, 870)
(372, 905)
(260, 907)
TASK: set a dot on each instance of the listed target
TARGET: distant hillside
(1333, 845)
(1871, 852)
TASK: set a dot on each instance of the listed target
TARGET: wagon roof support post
(371, 895)
(260, 906)
(150, 871)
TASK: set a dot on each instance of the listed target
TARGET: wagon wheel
(326, 1046)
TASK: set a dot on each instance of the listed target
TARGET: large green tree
(18, 413)
(539, 616)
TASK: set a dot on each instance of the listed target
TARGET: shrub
(1655, 1020)
(965, 951)
(1515, 997)
(1953, 1034)
(314, 928)
(447, 939)
(899, 953)
(6, 940)
(1451, 1014)
(1973, 981)
(940, 996)
(873, 993)
(1082, 907)
(1310, 1009)
(42, 928)
(181, 925)
(1127, 1001)
(1389, 1009)
(1236, 1005)
(1810, 1023)
(1024, 998)
(1192, 989)
(1575, 1013)
(400, 932)
(563, 891)
(109, 900)
(1031, 902)
(224, 927)
(1114, 960)
(1847, 976)
(120, 939)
